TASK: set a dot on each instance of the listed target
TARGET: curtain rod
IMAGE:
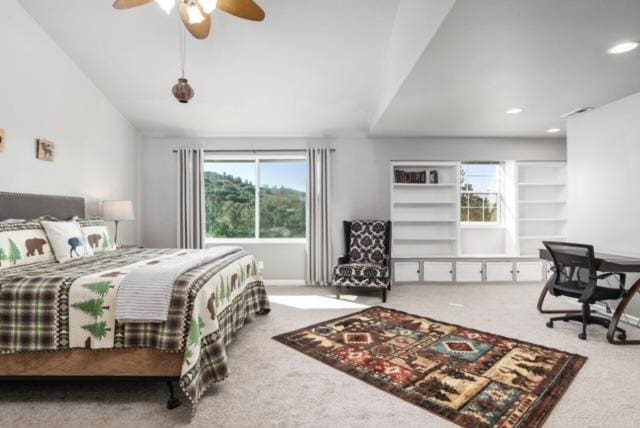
(256, 151)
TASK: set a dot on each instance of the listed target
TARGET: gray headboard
(26, 206)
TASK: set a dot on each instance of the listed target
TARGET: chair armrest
(622, 277)
(343, 260)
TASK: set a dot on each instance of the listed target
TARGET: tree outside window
(480, 192)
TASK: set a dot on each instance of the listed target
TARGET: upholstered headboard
(27, 206)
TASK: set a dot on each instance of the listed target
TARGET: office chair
(576, 276)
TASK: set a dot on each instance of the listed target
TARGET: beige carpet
(273, 385)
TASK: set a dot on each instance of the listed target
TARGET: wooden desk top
(607, 262)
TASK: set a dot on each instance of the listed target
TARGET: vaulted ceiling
(356, 67)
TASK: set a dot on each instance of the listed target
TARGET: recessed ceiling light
(553, 130)
(514, 110)
(623, 47)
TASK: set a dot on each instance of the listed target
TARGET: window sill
(253, 241)
(482, 225)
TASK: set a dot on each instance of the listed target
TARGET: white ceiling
(321, 67)
(545, 56)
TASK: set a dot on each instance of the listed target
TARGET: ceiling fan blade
(128, 4)
(199, 31)
(246, 9)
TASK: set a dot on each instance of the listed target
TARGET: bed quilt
(56, 307)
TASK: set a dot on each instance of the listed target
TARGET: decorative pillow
(367, 241)
(23, 244)
(67, 240)
(97, 235)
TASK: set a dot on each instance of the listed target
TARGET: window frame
(499, 223)
(256, 159)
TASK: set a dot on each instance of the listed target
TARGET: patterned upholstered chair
(367, 259)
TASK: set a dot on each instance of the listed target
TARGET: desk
(604, 263)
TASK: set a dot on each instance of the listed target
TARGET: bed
(57, 321)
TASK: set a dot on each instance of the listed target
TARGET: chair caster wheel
(173, 403)
(622, 336)
(550, 324)
(582, 336)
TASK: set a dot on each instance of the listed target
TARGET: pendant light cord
(183, 46)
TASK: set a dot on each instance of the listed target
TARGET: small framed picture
(45, 149)
(1, 140)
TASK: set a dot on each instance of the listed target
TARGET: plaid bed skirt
(212, 365)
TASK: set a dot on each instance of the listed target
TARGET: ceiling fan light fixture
(208, 6)
(195, 16)
(166, 5)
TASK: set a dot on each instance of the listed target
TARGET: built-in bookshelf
(542, 197)
(425, 209)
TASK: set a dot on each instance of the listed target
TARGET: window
(256, 198)
(480, 192)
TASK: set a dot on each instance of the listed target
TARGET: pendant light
(183, 90)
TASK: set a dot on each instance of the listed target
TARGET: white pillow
(67, 240)
(97, 234)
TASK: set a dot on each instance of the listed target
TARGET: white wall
(44, 95)
(603, 150)
(360, 181)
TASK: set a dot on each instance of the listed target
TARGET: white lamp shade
(117, 210)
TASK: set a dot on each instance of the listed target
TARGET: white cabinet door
(406, 271)
(499, 271)
(468, 271)
(529, 271)
(438, 271)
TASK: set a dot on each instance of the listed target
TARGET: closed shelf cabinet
(529, 271)
(438, 271)
(499, 271)
(408, 271)
(468, 271)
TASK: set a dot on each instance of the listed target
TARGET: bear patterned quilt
(55, 307)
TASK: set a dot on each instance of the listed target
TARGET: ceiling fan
(196, 14)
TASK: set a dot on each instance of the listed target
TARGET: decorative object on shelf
(196, 14)
(183, 90)
(2, 135)
(117, 211)
(469, 377)
(45, 149)
(433, 176)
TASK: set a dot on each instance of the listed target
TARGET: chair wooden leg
(384, 295)
(338, 290)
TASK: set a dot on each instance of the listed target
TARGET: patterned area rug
(468, 377)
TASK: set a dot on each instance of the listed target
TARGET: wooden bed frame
(140, 364)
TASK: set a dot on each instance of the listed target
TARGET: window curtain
(318, 269)
(190, 198)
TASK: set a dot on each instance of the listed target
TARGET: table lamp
(117, 211)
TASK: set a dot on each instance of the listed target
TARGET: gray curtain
(319, 263)
(190, 198)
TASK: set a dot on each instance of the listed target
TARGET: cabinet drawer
(499, 271)
(468, 271)
(438, 271)
(406, 271)
(529, 271)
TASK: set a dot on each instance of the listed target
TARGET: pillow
(67, 240)
(23, 244)
(97, 235)
(13, 220)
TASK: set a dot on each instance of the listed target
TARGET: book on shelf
(410, 177)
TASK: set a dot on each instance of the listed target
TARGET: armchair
(367, 259)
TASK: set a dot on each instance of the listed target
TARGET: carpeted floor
(273, 385)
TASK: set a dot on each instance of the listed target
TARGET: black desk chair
(575, 276)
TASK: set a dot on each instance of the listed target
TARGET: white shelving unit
(542, 197)
(426, 215)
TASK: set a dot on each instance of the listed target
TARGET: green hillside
(230, 206)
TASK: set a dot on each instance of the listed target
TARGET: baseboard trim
(284, 282)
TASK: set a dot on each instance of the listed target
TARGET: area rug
(469, 377)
